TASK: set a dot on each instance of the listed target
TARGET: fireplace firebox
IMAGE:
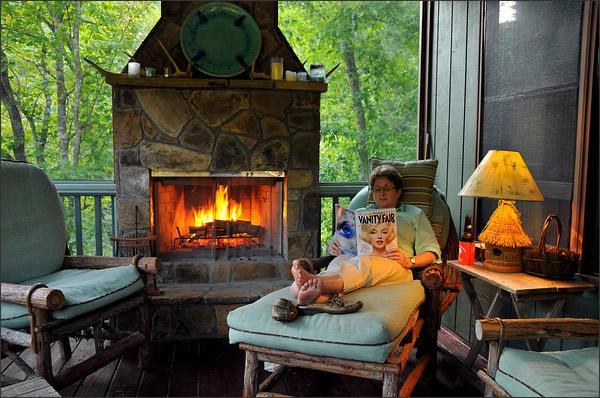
(219, 215)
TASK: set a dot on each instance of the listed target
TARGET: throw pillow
(418, 177)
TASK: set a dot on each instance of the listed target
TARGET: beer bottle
(466, 245)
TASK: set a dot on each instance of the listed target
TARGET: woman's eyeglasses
(385, 189)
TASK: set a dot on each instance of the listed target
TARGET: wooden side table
(517, 288)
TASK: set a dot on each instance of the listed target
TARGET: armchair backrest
(32, 225)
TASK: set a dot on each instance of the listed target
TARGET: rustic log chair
(515, 372)
(47, 296)
(269, 341)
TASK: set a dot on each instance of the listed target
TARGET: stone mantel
(189, 83)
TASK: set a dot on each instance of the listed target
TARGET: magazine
(368, 232)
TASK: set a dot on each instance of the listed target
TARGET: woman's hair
(365, 231)
(386, 171)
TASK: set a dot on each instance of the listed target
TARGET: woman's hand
(399, 257)
(334, 248)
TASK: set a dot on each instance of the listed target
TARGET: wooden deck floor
(215, 368)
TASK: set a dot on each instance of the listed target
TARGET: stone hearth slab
(193, 311)
(216, 293)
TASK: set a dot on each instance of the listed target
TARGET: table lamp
(503, 175)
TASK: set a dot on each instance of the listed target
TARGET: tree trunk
(61, 93)
(9, 101)
(41, 138)
(359, 108)
(78, 83)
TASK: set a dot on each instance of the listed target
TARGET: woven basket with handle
(550, 262)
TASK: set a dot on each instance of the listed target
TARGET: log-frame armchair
(47, 296)
(496, 331)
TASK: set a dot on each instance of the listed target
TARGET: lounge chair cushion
(571, 373)
(366, 335)
(84, 289)
(32, 224)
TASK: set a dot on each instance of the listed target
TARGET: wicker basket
(550, 262)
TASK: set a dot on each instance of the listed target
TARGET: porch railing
(74, 193)
(76, 196)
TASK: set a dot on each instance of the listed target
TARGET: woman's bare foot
(301, 276)
(311, 292)
(294, 290)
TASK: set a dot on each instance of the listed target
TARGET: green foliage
(29, 39)
(385, 40)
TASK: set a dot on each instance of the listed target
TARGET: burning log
(236, 228)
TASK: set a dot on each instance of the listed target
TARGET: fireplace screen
(219, 216)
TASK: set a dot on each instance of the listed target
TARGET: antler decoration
(178, 72)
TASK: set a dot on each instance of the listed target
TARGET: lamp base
(502, 259)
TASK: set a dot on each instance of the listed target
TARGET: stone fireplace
(182, 144)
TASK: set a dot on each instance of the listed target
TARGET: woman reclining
(417, 247)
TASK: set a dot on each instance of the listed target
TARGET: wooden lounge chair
(374, 342)
(48, 296)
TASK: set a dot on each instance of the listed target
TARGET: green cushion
(366, 335)
(439, 218)
(32, 227)
(418, 177)
(572, 373)
(84, 289)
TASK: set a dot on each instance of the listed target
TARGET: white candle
(133, 69)
(290, 76)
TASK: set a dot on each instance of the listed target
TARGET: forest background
(57, 111)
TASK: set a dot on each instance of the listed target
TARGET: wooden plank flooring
(215, 368)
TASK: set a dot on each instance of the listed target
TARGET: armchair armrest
(432, 277)
(574, 328)
(42, 297)
(149, 265)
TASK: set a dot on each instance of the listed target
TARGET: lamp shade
(502, 175)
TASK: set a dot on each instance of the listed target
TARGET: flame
(224, 209)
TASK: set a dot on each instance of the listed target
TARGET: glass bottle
(466, 244)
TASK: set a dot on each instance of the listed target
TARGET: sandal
(284, 310)
(335, 306)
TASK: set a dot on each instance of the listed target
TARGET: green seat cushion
(418, 177)
(366, 335)
(84, 289)
(32, 226)
(572, 373)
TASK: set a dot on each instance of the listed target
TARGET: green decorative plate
(220, 39)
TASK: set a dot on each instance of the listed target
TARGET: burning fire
(224, 209)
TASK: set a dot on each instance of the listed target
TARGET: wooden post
(145, 326)
(492, 365)
(251, 375)
(65, 347)
(98, 339)
(390, 384)
(42, 340)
